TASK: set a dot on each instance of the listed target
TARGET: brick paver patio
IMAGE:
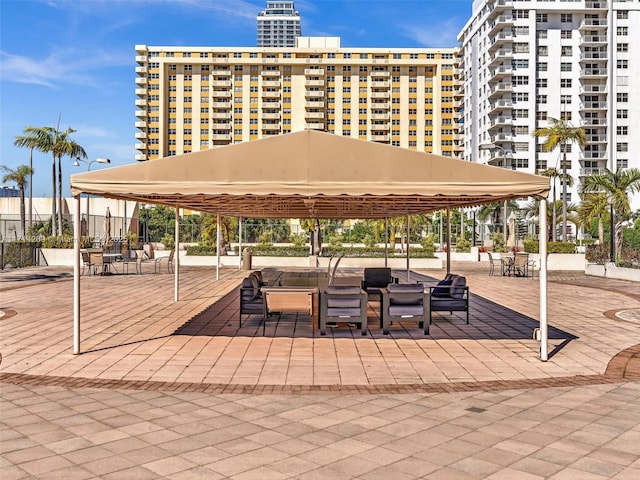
(178, 390)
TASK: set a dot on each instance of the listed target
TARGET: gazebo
(310, 174)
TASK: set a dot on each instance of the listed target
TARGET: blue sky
(74, 60)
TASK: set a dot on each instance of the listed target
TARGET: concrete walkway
(178, 390)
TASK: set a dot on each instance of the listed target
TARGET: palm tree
(617, 186)
(594, 205)
(29, 140)
(20, 176)
(51, 139)
(554, 174)
(561, 133)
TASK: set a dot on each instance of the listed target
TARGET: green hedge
(598, 253)
(329, 251)
(533, 246)
(201, 250)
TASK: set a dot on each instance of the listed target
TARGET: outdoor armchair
(450, 295)
(251, 301)
(402, 302)
(342, 303)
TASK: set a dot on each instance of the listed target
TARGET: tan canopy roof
(310, 174)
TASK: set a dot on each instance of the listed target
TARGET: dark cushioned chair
(402, 302)
(456, 300)
(374, 280)
(251, 301)
(342, 303)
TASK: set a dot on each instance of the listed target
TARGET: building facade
(528, 61)
(194, 98)
(278, 25)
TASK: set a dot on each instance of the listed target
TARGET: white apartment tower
(278, 25)
(526, 61)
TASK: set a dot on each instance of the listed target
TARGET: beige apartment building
(195, 98)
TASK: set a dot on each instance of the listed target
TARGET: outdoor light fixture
(89, 163)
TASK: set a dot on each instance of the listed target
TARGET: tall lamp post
(613, 241)
(89, 163)
(506, 156)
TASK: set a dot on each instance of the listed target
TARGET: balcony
(593, 88)
(314, 83)
(379, 116)
(595, 5)
(141, 113)
(220, 72)
(501, 38)
(500, 22)
(593, 72)
(272, 105)
(380, 105)
(315, 125)
(379, 73)
(141, 92)
(380, 138)
(500, 88)
(141, 80)
(270, 73)
(221, 126)
(271, 116)
(380, 84)
(590, 156)
(591, 56)
(141, 146)
(593, 105)
(314, 93)
(220, 93)
(225, 115)
(502, 70)
(221, 83)
(593, 122)
(271, 83)
(593, 23)
(221, 136)
(593, 39)
(313, 71)
(501, 54)
(596, 138)
(141, 58)
(501, 104)
(379, 94)
(141, 135)
(588, 171)
(271, 126)
(314, 104)
(140, 157)
(141, 124)
(502, 137)
(314, 115)
(220, 104)
(380, 127)
(141, 102)
(141, 69)
(266, 94)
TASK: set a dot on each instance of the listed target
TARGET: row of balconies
(593, 23)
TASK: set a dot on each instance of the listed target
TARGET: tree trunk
(60, 198)
(600, 231)
(30, 187)
(554, 227)
(22, 213)
(53, 198)
(618, 238)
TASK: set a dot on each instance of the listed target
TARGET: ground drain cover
(476, 410)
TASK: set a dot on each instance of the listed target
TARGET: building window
(541, 83)
(566, 34)
(622, 47)
(565, 83)
(565, 99)
(622, 97)
(622, 31)
(566, 50)
(565, 66)
(541, 18)
(622, 130)
(622, 113)
(623, 64)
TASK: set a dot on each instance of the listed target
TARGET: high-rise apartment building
(527, 61)
(278, 25)
(194, 98)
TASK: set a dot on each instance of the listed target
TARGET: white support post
(544, 333)
(408, 265)
(218, 231)
(76, 275)
(448, 241)
(240, 243)
(386, 241)
(176, 258)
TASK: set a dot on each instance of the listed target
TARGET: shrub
(531, 245)
(498, 242)
(168, 241)
(561, 247)
(299, 239)
(463, 245)
(65, 242)
(201, 249)
(597, 253)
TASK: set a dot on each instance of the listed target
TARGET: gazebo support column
(448, 240)
(240, 243)
(76, 274)
(544, 333)
(218, 229)
(408, 265)
(386, 242)
(176, 257)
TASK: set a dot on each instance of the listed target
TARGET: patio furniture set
(331, 305)
(105, 261)
(512, 264)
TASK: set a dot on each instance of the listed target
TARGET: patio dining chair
(169, 260)
(493, 261)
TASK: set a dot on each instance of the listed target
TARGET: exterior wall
(527, 61)
(194, 98)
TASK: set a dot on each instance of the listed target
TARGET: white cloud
(438, 35)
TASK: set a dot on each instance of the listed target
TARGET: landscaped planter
(611, 270)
